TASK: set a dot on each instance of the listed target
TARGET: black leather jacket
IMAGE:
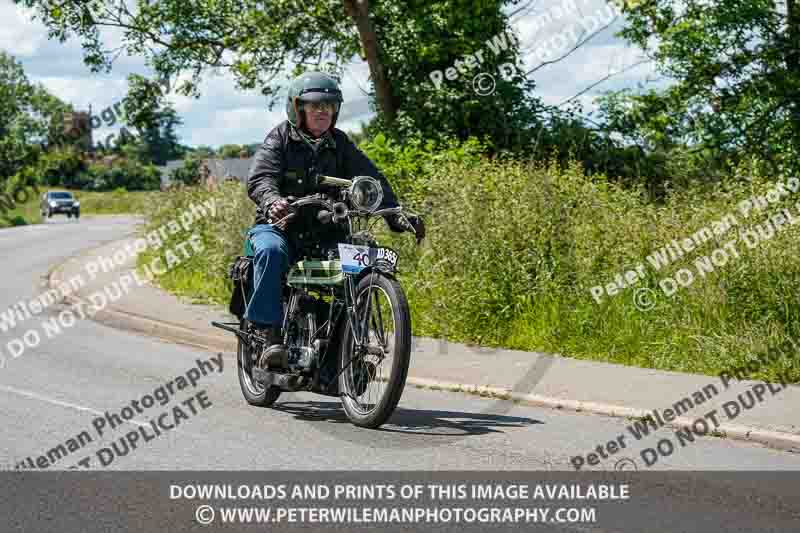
(287, 165)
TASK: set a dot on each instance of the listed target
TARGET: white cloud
(83, 92)
(21, 36)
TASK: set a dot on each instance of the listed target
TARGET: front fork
(352, 317)
(360, 328)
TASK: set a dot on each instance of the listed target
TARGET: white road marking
(53, 401)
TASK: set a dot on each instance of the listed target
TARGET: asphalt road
(61, 388)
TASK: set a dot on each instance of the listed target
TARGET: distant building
(212, 171)
(167, 169)
(78, 126)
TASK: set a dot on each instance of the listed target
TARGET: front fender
(386, 271)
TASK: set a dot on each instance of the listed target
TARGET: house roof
(239, 168)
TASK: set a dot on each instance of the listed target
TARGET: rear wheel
(254, 392)
(373, 381)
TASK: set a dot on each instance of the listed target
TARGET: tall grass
(115, 202)
(205, 277)
(514, 248)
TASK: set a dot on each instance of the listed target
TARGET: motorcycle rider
(288, 162)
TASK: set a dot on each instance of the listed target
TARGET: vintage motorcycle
(346, 322)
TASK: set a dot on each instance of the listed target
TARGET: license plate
(356, 258)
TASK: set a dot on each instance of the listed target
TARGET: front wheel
(372, 381)
(255, 393)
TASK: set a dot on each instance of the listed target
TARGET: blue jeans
(273, 255)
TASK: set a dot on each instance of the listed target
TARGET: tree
(160, 137)
(737, 69)
(425, 51)
(229, 151)
(201, 152)
(31, 119)
(256, 41)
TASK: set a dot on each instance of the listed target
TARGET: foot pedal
(261, 376)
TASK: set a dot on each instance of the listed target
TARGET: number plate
(355, 258)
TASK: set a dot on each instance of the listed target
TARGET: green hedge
(514, 249)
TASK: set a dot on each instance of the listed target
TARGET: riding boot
(274, 354)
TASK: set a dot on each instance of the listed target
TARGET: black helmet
(312, 87)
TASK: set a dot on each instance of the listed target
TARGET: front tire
(254, 393)
(356, 380)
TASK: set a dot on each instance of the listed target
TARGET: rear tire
(254, 393)
(400, 342)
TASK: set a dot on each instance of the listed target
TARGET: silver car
(55, 202)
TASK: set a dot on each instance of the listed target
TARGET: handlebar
(332, 211)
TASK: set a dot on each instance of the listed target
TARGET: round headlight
(366, 193)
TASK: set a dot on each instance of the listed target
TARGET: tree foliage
(736, 64)
(31, 119)
(260, 42)
(421, 40)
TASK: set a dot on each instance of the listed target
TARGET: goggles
(321, 107)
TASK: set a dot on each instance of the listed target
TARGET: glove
(397, 223)
(414, 224)
(278, 213)
(278, 209)
(419, 226)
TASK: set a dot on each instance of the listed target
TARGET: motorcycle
(346, 322)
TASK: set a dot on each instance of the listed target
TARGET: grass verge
(92, 203)
(514, 251)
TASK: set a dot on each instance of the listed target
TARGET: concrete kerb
(141, 324)
(773, 439)
(186, 336)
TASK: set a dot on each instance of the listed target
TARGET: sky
(225, 115)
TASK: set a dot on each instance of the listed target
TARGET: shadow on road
(423, 422)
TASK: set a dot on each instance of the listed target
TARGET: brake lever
(284, 222)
